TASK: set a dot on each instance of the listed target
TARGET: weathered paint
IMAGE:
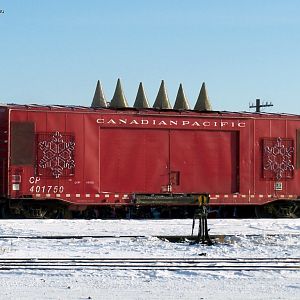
(120, 153)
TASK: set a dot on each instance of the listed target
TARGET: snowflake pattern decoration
(278, 158)
(57, 154)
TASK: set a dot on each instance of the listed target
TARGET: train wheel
(287, 209)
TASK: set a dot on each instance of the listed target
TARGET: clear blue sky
(54, 51)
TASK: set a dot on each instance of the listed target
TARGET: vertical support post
(201, 214)
(257, 106)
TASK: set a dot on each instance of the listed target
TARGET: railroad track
(167, 237)
(150, 264)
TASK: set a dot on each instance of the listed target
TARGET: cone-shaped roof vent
(203, 102)
(99, 98)
(162, 100)
(118, 100)
(141, 99)
(181, 101)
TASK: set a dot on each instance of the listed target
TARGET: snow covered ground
(273, 238)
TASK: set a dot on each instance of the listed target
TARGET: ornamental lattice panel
(55, 155)
(278, 158)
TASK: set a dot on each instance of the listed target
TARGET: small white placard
(278, 186)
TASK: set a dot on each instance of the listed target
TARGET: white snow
(272, 238)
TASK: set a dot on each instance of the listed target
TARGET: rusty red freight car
(57, 159)
(84, 157)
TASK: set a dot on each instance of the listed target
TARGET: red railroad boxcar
(78, 157)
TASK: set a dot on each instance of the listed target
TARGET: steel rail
(167, 237)
(151, 264)
(153, 259)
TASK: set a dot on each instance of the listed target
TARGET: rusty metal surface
(22, 143)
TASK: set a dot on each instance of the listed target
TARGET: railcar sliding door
(204, 161)
(134, 160)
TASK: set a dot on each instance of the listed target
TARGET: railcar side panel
(89, 135)
(4, 141)
(262, 130)
(274, 158)
(293, 131)
(250, 160)
(205, 161)
(134, 160)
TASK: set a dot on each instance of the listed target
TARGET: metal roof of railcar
(54, 107)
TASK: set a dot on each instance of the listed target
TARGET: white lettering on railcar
(171, 123)
(54, 189)
(34, 180)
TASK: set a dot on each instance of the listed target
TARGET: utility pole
(258, 105)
